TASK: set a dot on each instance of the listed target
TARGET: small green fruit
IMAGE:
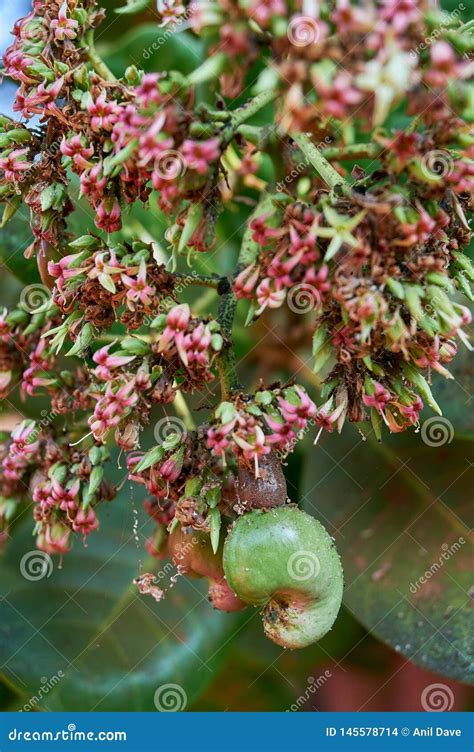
(285, 561)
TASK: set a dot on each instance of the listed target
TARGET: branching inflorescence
(373, 256)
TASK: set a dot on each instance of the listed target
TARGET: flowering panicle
(383, 46)
(250, 429)
(378, 274)
(105, 283)
(187, 485)
(374, 254)
(65, 483)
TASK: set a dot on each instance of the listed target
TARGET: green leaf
(14, 240)
(158, 50)
(215, 516)
(86, 623)
(84, 339)
(133, 6)
(151, 457)
(454, 395)
(394, 509)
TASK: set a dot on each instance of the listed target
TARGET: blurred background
(111, 649)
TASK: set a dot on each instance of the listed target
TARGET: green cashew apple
(192, 553)
(284, 561)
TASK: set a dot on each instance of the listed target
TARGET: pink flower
(253, 445)
(119, 401)
(281, 270)
(378, 399)
(65, 498)
(283, 434)
(261, 233)
(198, 154)
(93, 183)
(85, 521)
(176, 323)
(54, 539)
(245, 281)
(139, 291)
(103, 114)
(16, 66)
(170, 469)
(318, 279)
(338, 97)
(63, 26)
(105, 362)
(15, 164)
(218, 438)
(326, 417)
(42, 495)
(298, 415)
(401, 13)
(262, 11)
(22, 445)
(151, 147)
(148, 91)
(79, 153)
(269, 295)
(412, 411)
(108, 215)
(13, 468)
(31, 381)
(193, 347)
(63, 270)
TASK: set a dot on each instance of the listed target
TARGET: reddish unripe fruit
(192, 553)
(266, 491)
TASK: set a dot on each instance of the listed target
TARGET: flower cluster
(340, 61)
(187, 485)
(65, 484)
(133, 141)
(101, 284)
(250, 429)
(25, 359)
(374, 254)
(378, 271)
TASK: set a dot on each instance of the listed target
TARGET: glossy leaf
(133, 6)
(151, 48)
(399, 512)
(87, 621)
(15, 238)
